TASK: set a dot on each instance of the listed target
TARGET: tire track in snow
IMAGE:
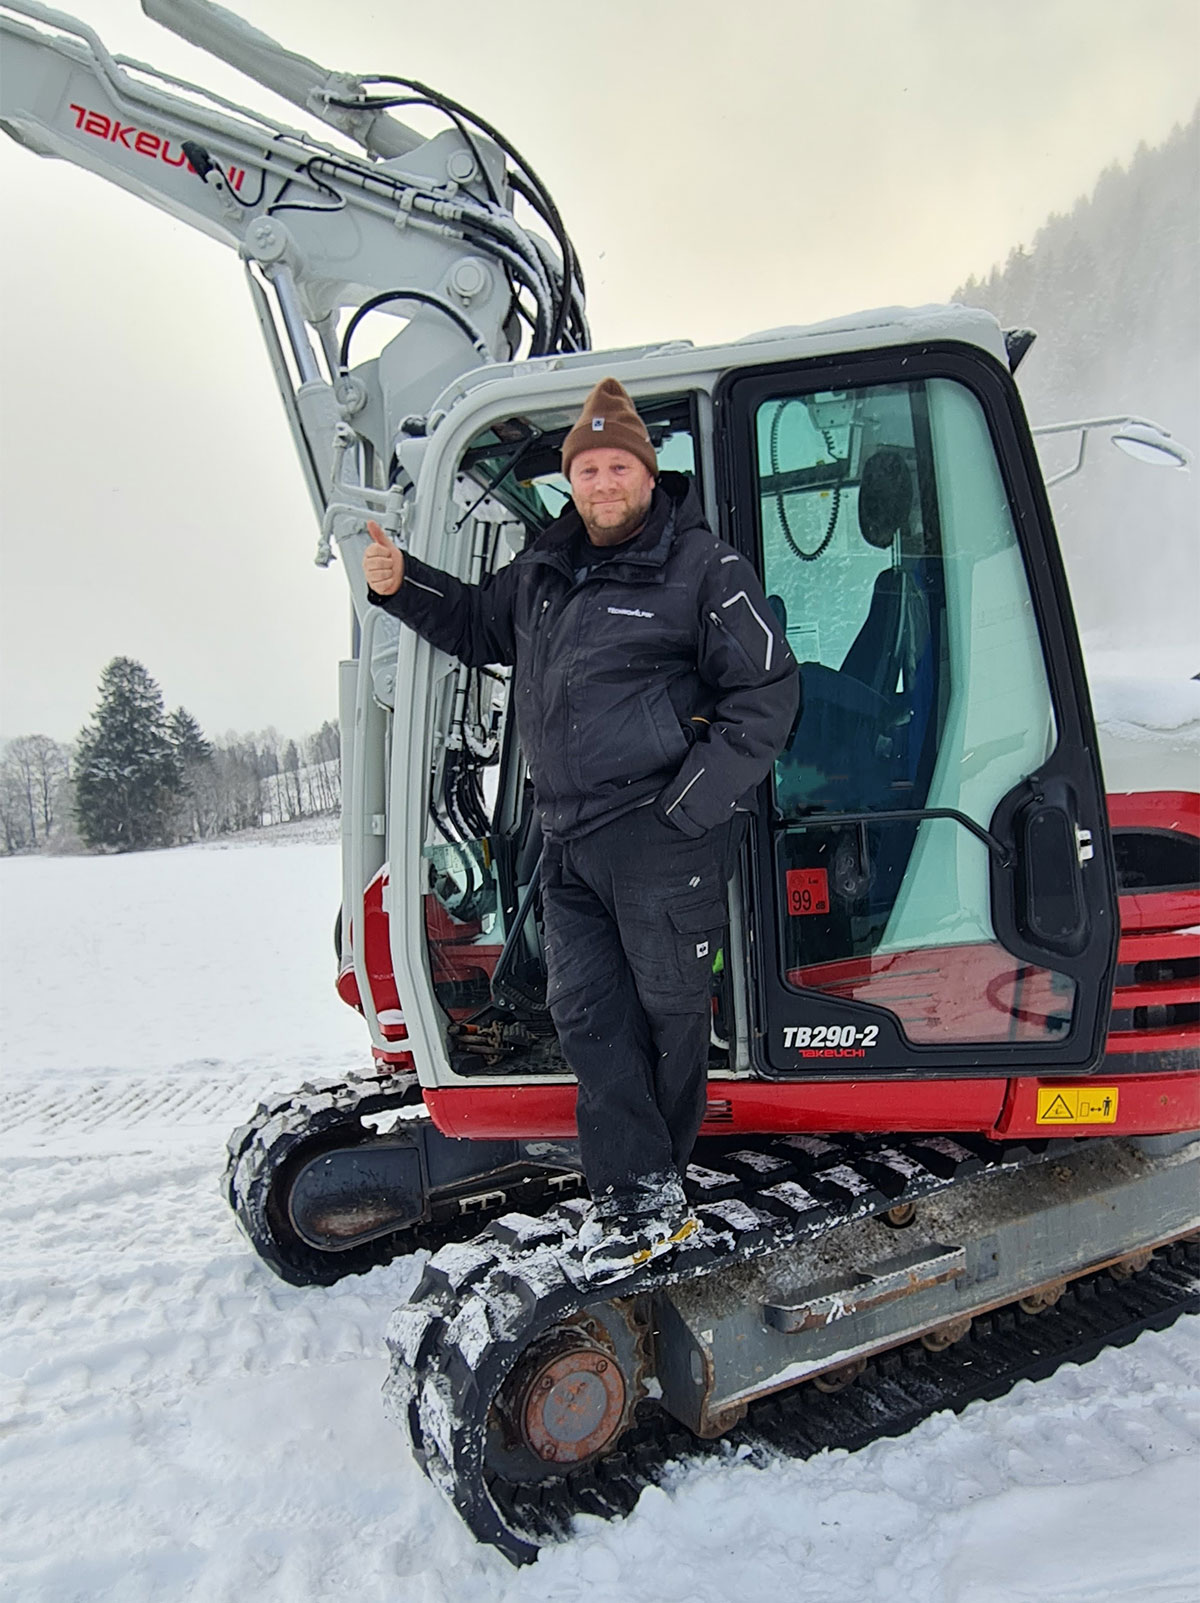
(125, 1278)
(57, 1106)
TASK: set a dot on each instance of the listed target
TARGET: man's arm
(743, 654)
(472, 622)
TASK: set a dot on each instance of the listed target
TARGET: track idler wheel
(942, 1336)
(835, 1380)
(567, 1402)
(1037, 1302)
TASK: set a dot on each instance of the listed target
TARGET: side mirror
(1138, 437)
(1146, 442)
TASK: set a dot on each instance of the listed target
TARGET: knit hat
(608, 418)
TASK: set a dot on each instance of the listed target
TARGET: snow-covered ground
(1147, 709)
(177, 1424)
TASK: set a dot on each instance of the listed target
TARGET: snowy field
(1149, 722)
(177, 1424)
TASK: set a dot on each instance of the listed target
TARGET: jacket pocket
(667, 732)
(618, 736)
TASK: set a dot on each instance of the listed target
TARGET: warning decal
(1077, 1104)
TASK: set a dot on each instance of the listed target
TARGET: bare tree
(32, 775)
(293, 794)
(14, 810)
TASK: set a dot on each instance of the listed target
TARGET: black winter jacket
(611, 670)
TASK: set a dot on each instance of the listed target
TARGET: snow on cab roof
(644, 368)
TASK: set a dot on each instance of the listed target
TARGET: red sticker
(807, 891)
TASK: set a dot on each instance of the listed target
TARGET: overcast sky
(722, 167)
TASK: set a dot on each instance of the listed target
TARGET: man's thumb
(378, 535)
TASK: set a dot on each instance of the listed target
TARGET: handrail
(995, 846)
(501, 988)
(356, 919)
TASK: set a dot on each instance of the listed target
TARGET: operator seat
(857, 744)
(894, 633)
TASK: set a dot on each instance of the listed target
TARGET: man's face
(612, 490)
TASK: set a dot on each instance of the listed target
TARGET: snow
(222, 962)
(1147, 710)
(175, 1423)
(793, 1195)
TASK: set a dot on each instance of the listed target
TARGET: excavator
(954, 1077)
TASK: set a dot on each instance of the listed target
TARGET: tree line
(139, 776)
(1113, 289)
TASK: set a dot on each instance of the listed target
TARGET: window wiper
(506, 466)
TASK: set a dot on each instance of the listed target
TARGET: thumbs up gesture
(383, 564)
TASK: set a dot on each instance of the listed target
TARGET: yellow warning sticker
(1077, 1104)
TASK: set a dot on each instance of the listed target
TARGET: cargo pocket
(697, 928)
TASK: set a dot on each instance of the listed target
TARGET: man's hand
(383, 564)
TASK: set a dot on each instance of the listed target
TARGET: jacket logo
(630, 612)
(597, 425)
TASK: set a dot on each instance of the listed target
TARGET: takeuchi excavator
(954, 1082)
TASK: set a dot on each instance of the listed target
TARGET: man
(653, 688)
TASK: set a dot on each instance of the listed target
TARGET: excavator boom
(421, 228)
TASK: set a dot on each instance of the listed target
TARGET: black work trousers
(634, 914)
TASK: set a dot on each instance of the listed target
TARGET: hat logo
(597, 424)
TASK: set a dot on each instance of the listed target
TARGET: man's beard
(615, 533)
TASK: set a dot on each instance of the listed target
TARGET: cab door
(933, 884)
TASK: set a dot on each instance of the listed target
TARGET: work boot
(615, 1238)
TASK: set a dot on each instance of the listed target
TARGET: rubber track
(289, 1132)
(479, 1305)
(895, 1393)
(280, 1137)
(907, 1384)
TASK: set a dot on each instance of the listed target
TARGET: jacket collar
(674, 509)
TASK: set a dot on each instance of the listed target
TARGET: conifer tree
(127, 773)
(194, 754)
(186, 737)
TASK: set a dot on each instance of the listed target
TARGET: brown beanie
(608, 418)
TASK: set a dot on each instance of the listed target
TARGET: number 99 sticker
(807, 892)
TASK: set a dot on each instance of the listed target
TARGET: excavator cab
(931, 879)
(928, 885)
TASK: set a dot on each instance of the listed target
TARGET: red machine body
(1151, 1069)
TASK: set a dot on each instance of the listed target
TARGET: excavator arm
(306, 84)
(421, 228)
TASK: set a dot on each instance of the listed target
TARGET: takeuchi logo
(140, 141)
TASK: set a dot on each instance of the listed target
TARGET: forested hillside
(1113, 290)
